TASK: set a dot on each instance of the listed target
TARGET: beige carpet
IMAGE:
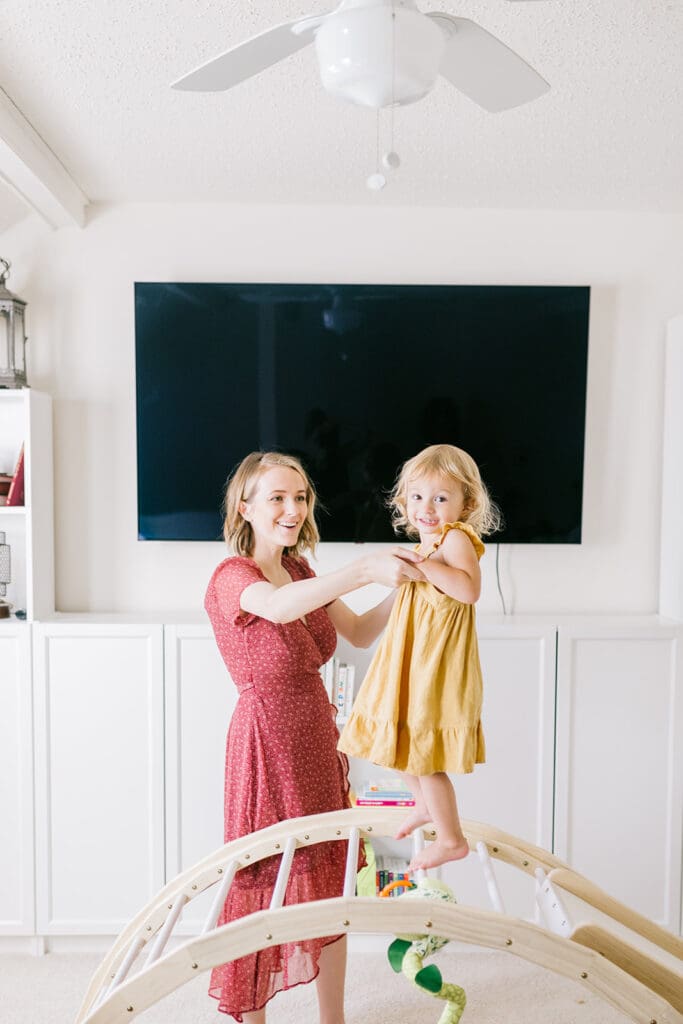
(500, 990)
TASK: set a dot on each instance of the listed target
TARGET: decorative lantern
(12, 335)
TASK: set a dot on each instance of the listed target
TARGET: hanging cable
(500, 589)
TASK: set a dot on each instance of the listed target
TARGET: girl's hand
(394, 567)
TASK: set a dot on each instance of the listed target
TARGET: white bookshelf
(26, 418)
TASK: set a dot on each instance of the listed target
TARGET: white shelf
(26, 419)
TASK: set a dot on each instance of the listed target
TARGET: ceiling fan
(381, 53)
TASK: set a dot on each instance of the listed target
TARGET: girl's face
(432, 501)
(277, 507)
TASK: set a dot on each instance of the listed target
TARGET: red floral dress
(281, 762)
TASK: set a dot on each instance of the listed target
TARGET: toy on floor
(407, 953)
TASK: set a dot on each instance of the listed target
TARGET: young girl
(419, 707)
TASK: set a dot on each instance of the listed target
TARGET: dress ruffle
(271, 970)
(417, 752)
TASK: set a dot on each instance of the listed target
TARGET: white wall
(80, 318)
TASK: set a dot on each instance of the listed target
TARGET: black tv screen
(354, 379)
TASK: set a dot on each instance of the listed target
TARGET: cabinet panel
(513, 791)
(99, 785)
(620, 764)
(200, 697)
(16, 782)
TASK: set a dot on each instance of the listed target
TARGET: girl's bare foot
(439, 852)
(418, 817)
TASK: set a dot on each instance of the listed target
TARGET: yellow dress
(418, 709)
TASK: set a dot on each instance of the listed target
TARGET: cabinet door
(99, 774)
(620, 763)
(16, 781)
(513, 791)
(200, 697)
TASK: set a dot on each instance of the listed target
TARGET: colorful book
(386, 789)
(349, 687)
(390, 794)
(329, 674)
(340, 688)
(15, 495)
(363, 802)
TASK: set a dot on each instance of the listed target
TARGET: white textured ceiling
(92, 78)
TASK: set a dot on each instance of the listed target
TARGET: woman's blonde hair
(446, 460)
(239, 487)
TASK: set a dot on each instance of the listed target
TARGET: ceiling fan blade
(251, 56)
(484, 68)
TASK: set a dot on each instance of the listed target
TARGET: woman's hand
(389, 568)
(393, 567)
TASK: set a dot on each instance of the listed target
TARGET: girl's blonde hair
(446, 460)
(239, 487)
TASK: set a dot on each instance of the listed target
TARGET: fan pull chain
(390, 159)
(377, 181)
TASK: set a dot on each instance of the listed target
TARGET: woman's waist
(266, 686)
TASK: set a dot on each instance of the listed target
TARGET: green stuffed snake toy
(407, 952)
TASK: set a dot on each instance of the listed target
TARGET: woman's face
(277, 507)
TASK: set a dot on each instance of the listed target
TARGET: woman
(276, 623)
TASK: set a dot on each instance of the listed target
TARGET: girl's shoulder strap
(465, 528)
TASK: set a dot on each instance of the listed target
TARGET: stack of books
(385, 793)
(391, 869)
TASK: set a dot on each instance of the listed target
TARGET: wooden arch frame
(636, 983)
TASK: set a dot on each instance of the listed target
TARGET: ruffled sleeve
(225, 590)
(466, 528)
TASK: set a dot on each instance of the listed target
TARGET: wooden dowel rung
(229, 873)
(418, 846)
(490, 877)
(552, 908)
(169, 924)
(280, 887)
(351, 863)
(122, 972)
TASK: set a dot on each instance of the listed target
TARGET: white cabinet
(26, 418)
(200, 697)
(129, 735)
(99, 774)
(16, 781)
(620, 761)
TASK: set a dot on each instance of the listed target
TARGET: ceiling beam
(32, 170)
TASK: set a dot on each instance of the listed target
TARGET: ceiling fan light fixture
(379, 55)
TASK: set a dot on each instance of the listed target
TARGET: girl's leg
(419, 814)
(330, 982)
(442, 806)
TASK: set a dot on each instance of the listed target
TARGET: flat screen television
(354, 379)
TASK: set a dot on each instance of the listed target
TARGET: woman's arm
(294, 600)
(458, 575)
(361, 630)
